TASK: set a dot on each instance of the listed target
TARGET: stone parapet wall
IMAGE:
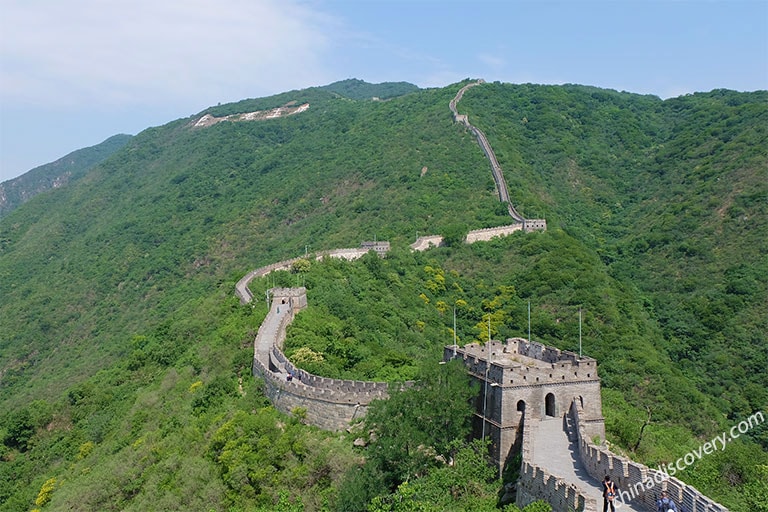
(245, 294)
(331, 404)
(425, 242)
(537, 484)
(483, 235)
(326, 386)
(241, 288)
(635, 482)
(343, 254)
(329, 411)
(536, 350)
(505, 369)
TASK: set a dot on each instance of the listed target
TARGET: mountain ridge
(58, 173)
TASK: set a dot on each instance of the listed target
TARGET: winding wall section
(498, 174)
(331, 404)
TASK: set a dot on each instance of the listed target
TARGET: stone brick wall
(329, 409)
(331, 404)
(425, 242)
(635, 482)
(483, 235)
(536, 484)
(245, 295)
(534, 225)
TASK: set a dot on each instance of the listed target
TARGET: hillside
(360, 90)
(56, 174)
(122, 342)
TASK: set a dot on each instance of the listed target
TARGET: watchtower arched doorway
(521, 406)
(549, 405)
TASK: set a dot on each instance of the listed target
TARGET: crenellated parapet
(636, 483)
(483, 235)
(526, 380)
(536, 483)
(349, 254)
(331, 404)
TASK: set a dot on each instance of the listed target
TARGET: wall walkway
(562, 466)
(560, 463)
(245, 295)
(498, 174)
(638, 485)
(331, 404)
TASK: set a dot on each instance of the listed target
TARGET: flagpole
(454, 331)
(487, 368)
(579, 333)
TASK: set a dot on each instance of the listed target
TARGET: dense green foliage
(125, 359)
(66, 169)
(359, 90)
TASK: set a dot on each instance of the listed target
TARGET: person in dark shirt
(609, 494)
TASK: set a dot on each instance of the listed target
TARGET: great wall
(535, 400)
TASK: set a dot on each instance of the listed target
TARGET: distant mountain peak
(356, 89)
(56, 174)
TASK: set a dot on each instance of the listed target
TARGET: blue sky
(75, 72)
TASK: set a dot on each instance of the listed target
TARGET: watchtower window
(521, 405)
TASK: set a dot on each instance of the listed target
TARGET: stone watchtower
(521, 379)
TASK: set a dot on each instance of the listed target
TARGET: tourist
(665, 503)
(609, 494)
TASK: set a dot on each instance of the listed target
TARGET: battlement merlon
(379, 247)
(520, 362)
(524, 378)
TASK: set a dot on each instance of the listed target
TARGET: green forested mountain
(125, 358)
(18, 190)
(360, 90)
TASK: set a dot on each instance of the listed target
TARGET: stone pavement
(554, 452)
(268, 332)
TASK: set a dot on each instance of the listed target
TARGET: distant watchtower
(527, 380)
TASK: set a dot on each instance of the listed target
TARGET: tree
(415, 428)
(454, 234)
(19, 430)
(300, 266)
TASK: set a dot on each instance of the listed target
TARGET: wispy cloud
(126, 51)
(495, 63)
